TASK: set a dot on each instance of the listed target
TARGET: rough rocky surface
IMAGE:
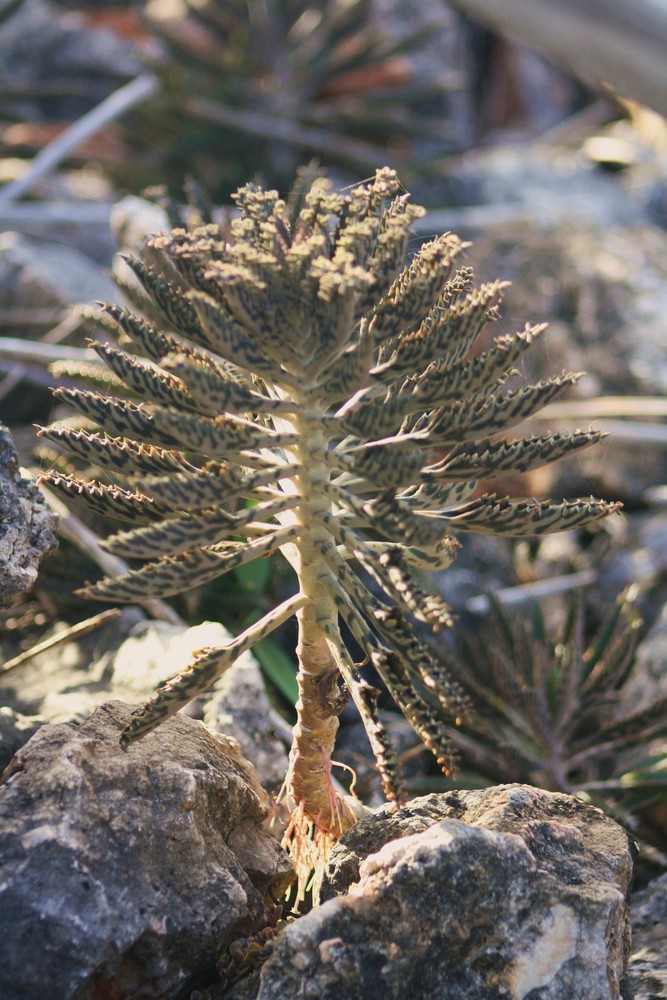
(602, 289)
(128, 659)
(15, 731)
(239, 706)
(27, 526)
(77, 67)
(127, 872)
(647, 968)
(41, 274)
(506, 892)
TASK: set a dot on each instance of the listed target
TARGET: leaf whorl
(301, 370)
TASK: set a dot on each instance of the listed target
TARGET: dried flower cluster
(301, 391)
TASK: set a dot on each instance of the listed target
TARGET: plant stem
(309, 782)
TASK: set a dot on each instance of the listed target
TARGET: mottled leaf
(491, 516)
(118, 454)
(174, 574)
(109, 500)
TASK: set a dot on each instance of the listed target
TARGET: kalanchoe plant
(273, 81)
(552, 710)
(299, 368)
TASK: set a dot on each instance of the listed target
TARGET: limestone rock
(27, 526)
(239, 706)
(127, 872)
(44, 274)
(15, 730)
(128, 659)
(509, 892)
(647, 968)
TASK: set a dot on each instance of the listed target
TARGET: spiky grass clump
(550, 710)
(275, 81)
(298, 368)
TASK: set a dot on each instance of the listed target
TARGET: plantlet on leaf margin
(299, 366)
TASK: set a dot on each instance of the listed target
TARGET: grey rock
(507, 892)
(127, 660)
(133, 220)
(647, 968)
(41, 274)
(239, 706)
(27, 526)
(80, 225)
(154, 652)
(602, 289)
(547, 184)
(132, 869)
(15, 731)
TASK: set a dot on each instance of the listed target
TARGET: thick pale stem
(309, 780)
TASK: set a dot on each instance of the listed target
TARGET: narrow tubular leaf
(385, 467)
(448, 332)
(220, 437)
(390, 572)
(150, 342)
(165, 427)
(427, 724)
(491, 516)
(350, 371)
(413, 292)
(143, 379)
(216, 482)
(221, 394)
(377, 417)
(440, 383)
(434, 496)
(228, 338)
(488, 457)
(118, 454)
(177, 310)
(119, 416)
(207, 667)
(110, 500)
(190, 530)
(365, 699)
(419, 661)
(494, 413)
(173, 574)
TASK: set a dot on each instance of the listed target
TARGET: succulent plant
(302, 370)
(244, 83)
(550, 709)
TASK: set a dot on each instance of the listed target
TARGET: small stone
(43, 274)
